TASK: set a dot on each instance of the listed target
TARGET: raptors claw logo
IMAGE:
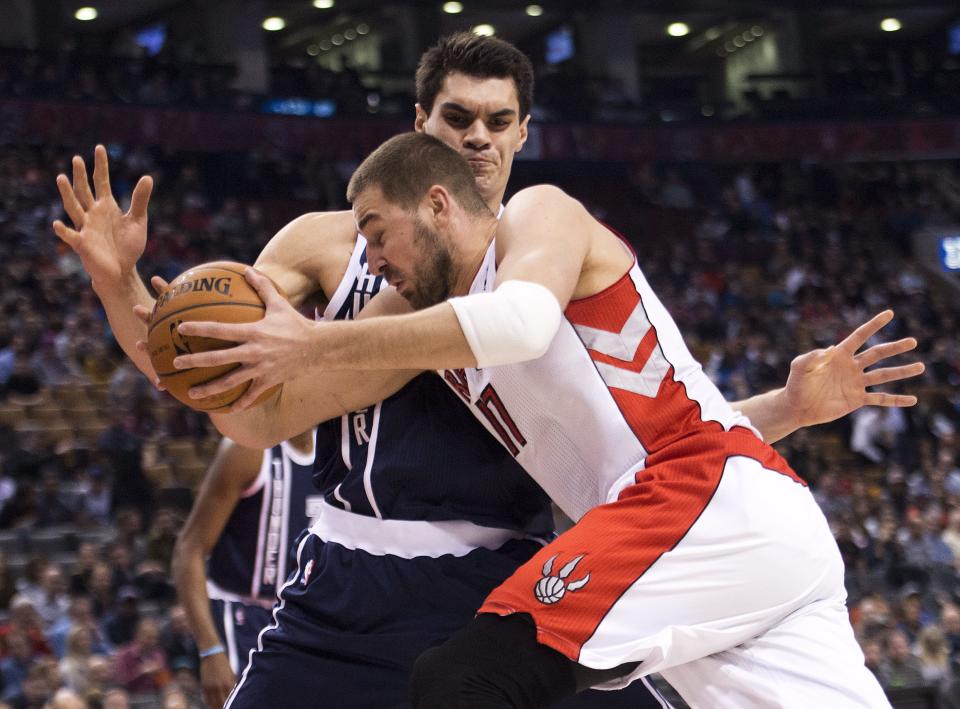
(550, 589)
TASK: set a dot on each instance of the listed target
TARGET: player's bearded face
(430, 280)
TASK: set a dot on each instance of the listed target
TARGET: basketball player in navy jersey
(233, 553)
(420, 520)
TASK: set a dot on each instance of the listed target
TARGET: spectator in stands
(16, 665)
(901, 668)
(934, 655)
(38, 685)
(52, 510)
(121, 621)
(178, 642)
(79, 615)
(116, 698)
(66, 699)
(75, 666)
(82, 572)
(24, 619)
(141, 665)
(100, 673)
(951, 535)
(101, 589)
(50, 598)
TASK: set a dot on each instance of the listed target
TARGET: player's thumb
(141, 198)
(268, 290)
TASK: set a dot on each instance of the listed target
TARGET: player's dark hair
(473, 55)
(407, 165)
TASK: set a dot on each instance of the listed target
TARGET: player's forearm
(426, 340)
(190, 579)
(770, 414)
(118, 300)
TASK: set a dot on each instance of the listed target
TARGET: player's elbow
(515, 323)
(244, 431)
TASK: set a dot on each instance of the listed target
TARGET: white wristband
(515, 323)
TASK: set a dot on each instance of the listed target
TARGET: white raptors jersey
(616, 387)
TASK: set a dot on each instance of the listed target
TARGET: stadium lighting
(534, 10)
(323, 4)
(363, 28)
(85, 14)
(890, 24)
(453, 8)
(756, 31)
(678, 29)
(337, 40)
(274, 24)
(485, 30)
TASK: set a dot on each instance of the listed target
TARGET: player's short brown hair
(407, 165)
(473, 55)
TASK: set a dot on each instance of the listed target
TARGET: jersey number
(492, 408)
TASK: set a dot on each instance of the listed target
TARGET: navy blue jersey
(252, 557)
(420, 454)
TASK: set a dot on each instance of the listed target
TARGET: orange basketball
(214, 291)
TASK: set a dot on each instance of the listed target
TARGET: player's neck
(472, 253)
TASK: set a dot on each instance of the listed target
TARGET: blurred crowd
(756, 263)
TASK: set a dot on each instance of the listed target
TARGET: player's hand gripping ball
(214, 291)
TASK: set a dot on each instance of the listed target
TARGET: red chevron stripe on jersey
(623, 344)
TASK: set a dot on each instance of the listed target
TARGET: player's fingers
(141, 198)
(221, 384)
(877, 398)
(159, 284)
(264, 287)
(70, 203)
(212, 358)
(142, 313)
(856, 339)
(80, 185)
(869, 357)
(231, 332)
(893, 374)
(66, 234)
(101, 173)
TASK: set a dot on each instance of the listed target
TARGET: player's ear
(523, 133)
(420, 120)
(438, 202)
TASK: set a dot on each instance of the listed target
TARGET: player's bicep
(309, 254)
(543, 238)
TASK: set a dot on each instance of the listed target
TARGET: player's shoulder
(326, 229)
(539, 202)
(537, 196)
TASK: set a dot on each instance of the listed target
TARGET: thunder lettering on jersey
(419, 455)
(616, 392)
(252, 556)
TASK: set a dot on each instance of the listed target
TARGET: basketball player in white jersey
(697, 552)
(485, 117)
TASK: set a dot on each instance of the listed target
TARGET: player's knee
(443, 678)
(492, 662)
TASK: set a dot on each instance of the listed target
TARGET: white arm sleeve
(515, 323)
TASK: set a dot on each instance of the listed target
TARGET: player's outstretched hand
(827, 384)
(270, 351)
(217, 680)
(108, 242)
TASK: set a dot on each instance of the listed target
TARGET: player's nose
(375, 262)
(477, 136)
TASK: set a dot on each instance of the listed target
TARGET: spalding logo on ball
(551, 589)
(214, 291)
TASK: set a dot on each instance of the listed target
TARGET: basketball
(215, 291)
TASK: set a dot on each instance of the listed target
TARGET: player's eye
(457, 120)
